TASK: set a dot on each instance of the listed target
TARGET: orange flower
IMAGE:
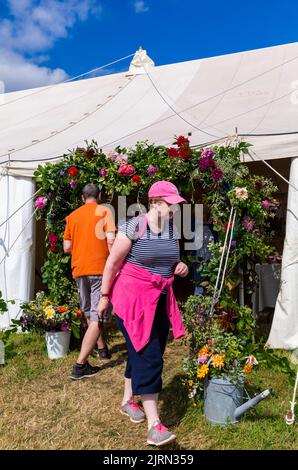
(247, 368)
(204, 351)
(190, 383)
(78, 312)
(61, 309)
(218, 360)
(219, 307)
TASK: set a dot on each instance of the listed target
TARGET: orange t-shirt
(86, 228)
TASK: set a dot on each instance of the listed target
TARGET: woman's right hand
(102, 307)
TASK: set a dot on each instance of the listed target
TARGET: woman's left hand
(181, 269)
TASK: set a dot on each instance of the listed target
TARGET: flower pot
(57, 343)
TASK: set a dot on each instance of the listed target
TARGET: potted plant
(56, 321)
(221, 356)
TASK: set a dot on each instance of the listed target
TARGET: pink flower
(151, 170)
(103, 172)
(126, 170)
(266, 204)
(53, 238)
(202, 359)
(248, 223)
(72, 183)
(251, 360)
(41, 202)
(121, 158)
(207, 153)
(206, 162)
(216, 174)
(111, 155)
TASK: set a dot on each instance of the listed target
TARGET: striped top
(158, 253)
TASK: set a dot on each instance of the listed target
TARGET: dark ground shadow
(174, 402)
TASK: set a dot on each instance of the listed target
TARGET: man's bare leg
(100, 342)
(90, 339)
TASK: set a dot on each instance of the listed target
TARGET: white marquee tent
(255, 92)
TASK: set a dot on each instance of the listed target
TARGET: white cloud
(140, 6)
(18, 73)
(32, 28)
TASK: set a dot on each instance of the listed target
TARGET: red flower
(61, 309)
(172, 152)
(72, 171)
(136, 179)
(185, 153)
(181, 141)
(258, 185)
(90, 153)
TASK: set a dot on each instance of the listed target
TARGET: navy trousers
(144, 367)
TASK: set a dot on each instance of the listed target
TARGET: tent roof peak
(140, 62)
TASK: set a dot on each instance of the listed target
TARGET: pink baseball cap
(167, 191)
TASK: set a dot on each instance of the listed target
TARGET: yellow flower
(247, 368)
(49, 311)
(218, 360)
(202, 371)
(190, 383)
(204, 351)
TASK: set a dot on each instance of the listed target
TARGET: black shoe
(82, 371)
(104, 354)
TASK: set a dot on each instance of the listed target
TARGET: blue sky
(45, 41)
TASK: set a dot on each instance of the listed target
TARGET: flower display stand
(57, 343)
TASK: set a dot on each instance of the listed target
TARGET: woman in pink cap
(138, 279)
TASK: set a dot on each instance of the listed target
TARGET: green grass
(40, 408)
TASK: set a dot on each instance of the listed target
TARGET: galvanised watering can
(224, 401)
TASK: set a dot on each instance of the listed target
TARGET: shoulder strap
(142, 225)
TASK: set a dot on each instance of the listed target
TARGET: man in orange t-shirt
(88, 237)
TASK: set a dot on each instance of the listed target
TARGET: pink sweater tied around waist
(135, 294)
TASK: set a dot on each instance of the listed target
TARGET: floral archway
(226, 183)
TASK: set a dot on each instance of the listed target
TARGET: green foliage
(3, 304)
(5, 335)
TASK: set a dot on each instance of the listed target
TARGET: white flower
(241, 193)
(193, 393)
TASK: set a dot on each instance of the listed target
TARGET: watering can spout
(251, 403)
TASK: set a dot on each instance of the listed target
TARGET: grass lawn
(41, 408)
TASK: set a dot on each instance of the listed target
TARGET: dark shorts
(144, 367)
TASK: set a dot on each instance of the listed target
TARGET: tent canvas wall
(253, 91)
